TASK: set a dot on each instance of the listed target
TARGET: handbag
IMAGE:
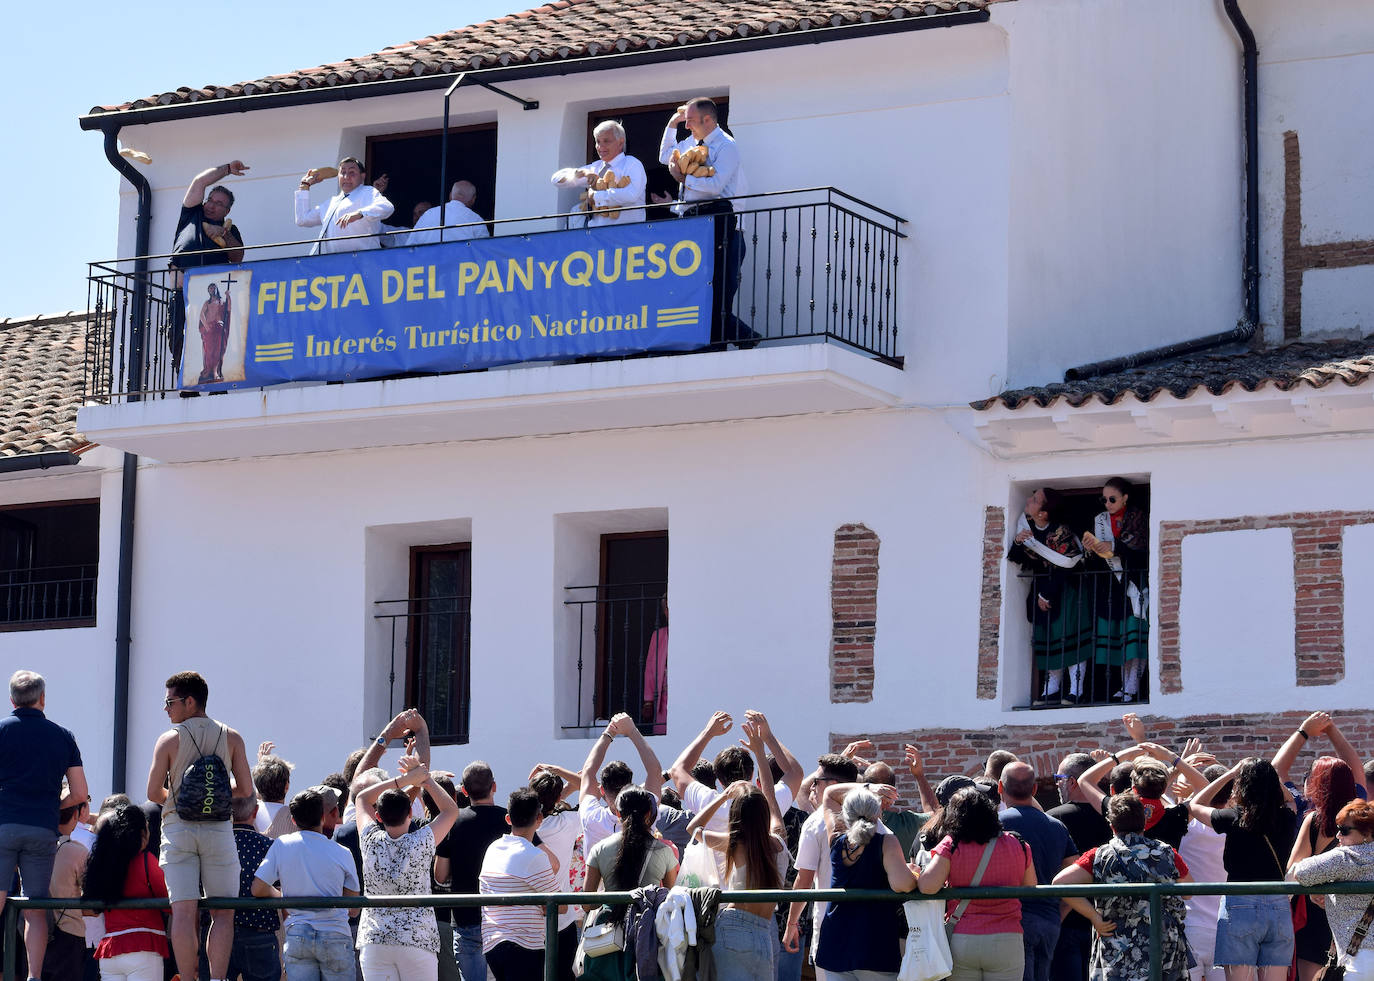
(1333, 970)
(604, 932)
(953, 920)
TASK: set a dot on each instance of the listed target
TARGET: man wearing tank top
(196, 852)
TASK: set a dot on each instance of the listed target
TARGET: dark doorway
(411, 160)
(643, 132)
(438, 658)
(631, 609)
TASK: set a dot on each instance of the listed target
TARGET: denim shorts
(1254, 931)
(744, 946)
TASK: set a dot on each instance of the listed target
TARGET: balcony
(817, 297)
(43, 598)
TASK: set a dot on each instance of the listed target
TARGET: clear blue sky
(66, 58)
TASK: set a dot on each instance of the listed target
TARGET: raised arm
(753, 740)
(1089, 780)
(597, 756)
(681, 774)
(195, 193)
(703, 817)
(572, 781)
(653, 769)
(792, 772)
(1312, 727)
(413, 774)
(78, 791)
(918, 770)
(393, 730)
(1203, 811)
(1346, 752)
(448, 807)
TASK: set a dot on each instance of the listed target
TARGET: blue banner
(454, 306)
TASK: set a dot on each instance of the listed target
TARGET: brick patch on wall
(1298, 258)
(1318, 580)
(853, 613)
(1228, 737)
(990, 600)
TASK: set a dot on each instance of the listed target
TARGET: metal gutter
(129, 486)
(544, 69)
(38, 461)
(1245, 329)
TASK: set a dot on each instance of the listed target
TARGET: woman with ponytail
(862, 940)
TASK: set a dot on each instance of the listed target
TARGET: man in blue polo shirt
(35, 755)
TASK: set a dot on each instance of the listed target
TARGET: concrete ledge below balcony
(537, 400)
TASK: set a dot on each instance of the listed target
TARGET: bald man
(458, 211)
(1051, 850)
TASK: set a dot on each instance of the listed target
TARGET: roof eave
(104, 119)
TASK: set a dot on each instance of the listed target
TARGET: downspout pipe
(443, 157)
(38, 461)
(1245, 330)
(134, 353)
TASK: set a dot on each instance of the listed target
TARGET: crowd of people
(745, 817)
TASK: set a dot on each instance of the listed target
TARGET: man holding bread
(357, 210)
(707, 192)
(614, 182)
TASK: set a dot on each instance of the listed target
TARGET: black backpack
(204, 794)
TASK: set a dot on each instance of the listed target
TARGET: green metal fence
(1152, 892)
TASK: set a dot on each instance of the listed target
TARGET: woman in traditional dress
(1119, 548)
(1056, 605)
(1121, 941)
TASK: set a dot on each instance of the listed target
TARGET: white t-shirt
(697, 797)
(267, 813)
(597, 821)
(559, 831)
(1202, 848)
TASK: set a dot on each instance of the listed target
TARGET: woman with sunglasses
(1120, 541)
(1351, 861)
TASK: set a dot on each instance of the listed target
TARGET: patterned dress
(1125, 955)
(398, 867)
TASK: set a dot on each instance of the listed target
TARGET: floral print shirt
(398, 867)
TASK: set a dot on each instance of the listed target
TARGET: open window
(412, 162)
(632, 629)
(49, 559)
(1082, 618)
(438, 641)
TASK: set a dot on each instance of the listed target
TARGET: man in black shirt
(458, 859)
(205, 236)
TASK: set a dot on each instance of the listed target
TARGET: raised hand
(266, 748)
(236, 167)
(857, 748)
(1134, 727)
(408, 762)
(913, 760)
(720, 723)
(753, 738)
(760, 721)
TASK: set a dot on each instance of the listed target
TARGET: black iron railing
(48, 596)
(433, 635)
(1090, 637)
(812, 264)
(622, 653)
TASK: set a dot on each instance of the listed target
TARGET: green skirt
(1117, 641)
(1064, 635)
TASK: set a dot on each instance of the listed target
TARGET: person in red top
(120, 867)
(987, 944)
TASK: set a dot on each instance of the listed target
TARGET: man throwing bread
(356, 210)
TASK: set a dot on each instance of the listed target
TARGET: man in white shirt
(357, 210)
(731, 764)
(458, 211)
(319, 943)
(513, 936)
(710, 196)
(615, 205)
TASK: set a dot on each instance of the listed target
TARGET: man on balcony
(205, 236)
(614, 204)
(357, 210)
(711, 196)
(458, 211)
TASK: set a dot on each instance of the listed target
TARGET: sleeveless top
(211, 737)
(860, 936)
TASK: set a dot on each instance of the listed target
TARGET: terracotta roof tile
(41, 364)
(570, 29)
(1312, 363)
